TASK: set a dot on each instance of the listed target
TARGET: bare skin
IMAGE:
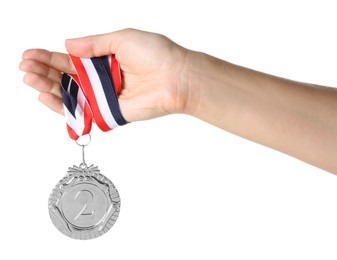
(161, 78)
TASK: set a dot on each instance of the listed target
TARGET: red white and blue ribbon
(92, 94)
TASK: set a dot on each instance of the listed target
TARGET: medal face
(84, 204)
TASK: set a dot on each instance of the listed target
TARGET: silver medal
(84, 204)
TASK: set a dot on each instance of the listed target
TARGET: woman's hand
(152, 69)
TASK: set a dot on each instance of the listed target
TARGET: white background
(188, 189)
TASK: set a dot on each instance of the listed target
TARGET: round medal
(84, 204)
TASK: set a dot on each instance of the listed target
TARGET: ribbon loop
(92, 94)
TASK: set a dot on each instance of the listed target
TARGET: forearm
(295, 118)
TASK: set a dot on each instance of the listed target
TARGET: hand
(152, 71)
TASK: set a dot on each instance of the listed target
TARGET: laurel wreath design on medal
(84, 204)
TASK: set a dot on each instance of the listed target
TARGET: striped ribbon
(92, 94)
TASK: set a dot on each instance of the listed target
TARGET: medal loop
(82, 142)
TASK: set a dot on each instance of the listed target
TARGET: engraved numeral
(87, 197)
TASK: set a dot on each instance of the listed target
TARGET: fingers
(42, 84)
(52, 101)
(43, 70)
(40, 69)
(97, 45)
(55, 60)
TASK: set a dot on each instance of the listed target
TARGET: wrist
(200, 78)
(189, 83)
(210, 85)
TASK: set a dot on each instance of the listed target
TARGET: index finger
(56, 60)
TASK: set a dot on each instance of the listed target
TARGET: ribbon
(92, 95)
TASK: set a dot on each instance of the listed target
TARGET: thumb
(94, 46)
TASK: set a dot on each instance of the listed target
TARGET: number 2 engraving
(87, 197)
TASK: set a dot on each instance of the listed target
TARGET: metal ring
(78, 141)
